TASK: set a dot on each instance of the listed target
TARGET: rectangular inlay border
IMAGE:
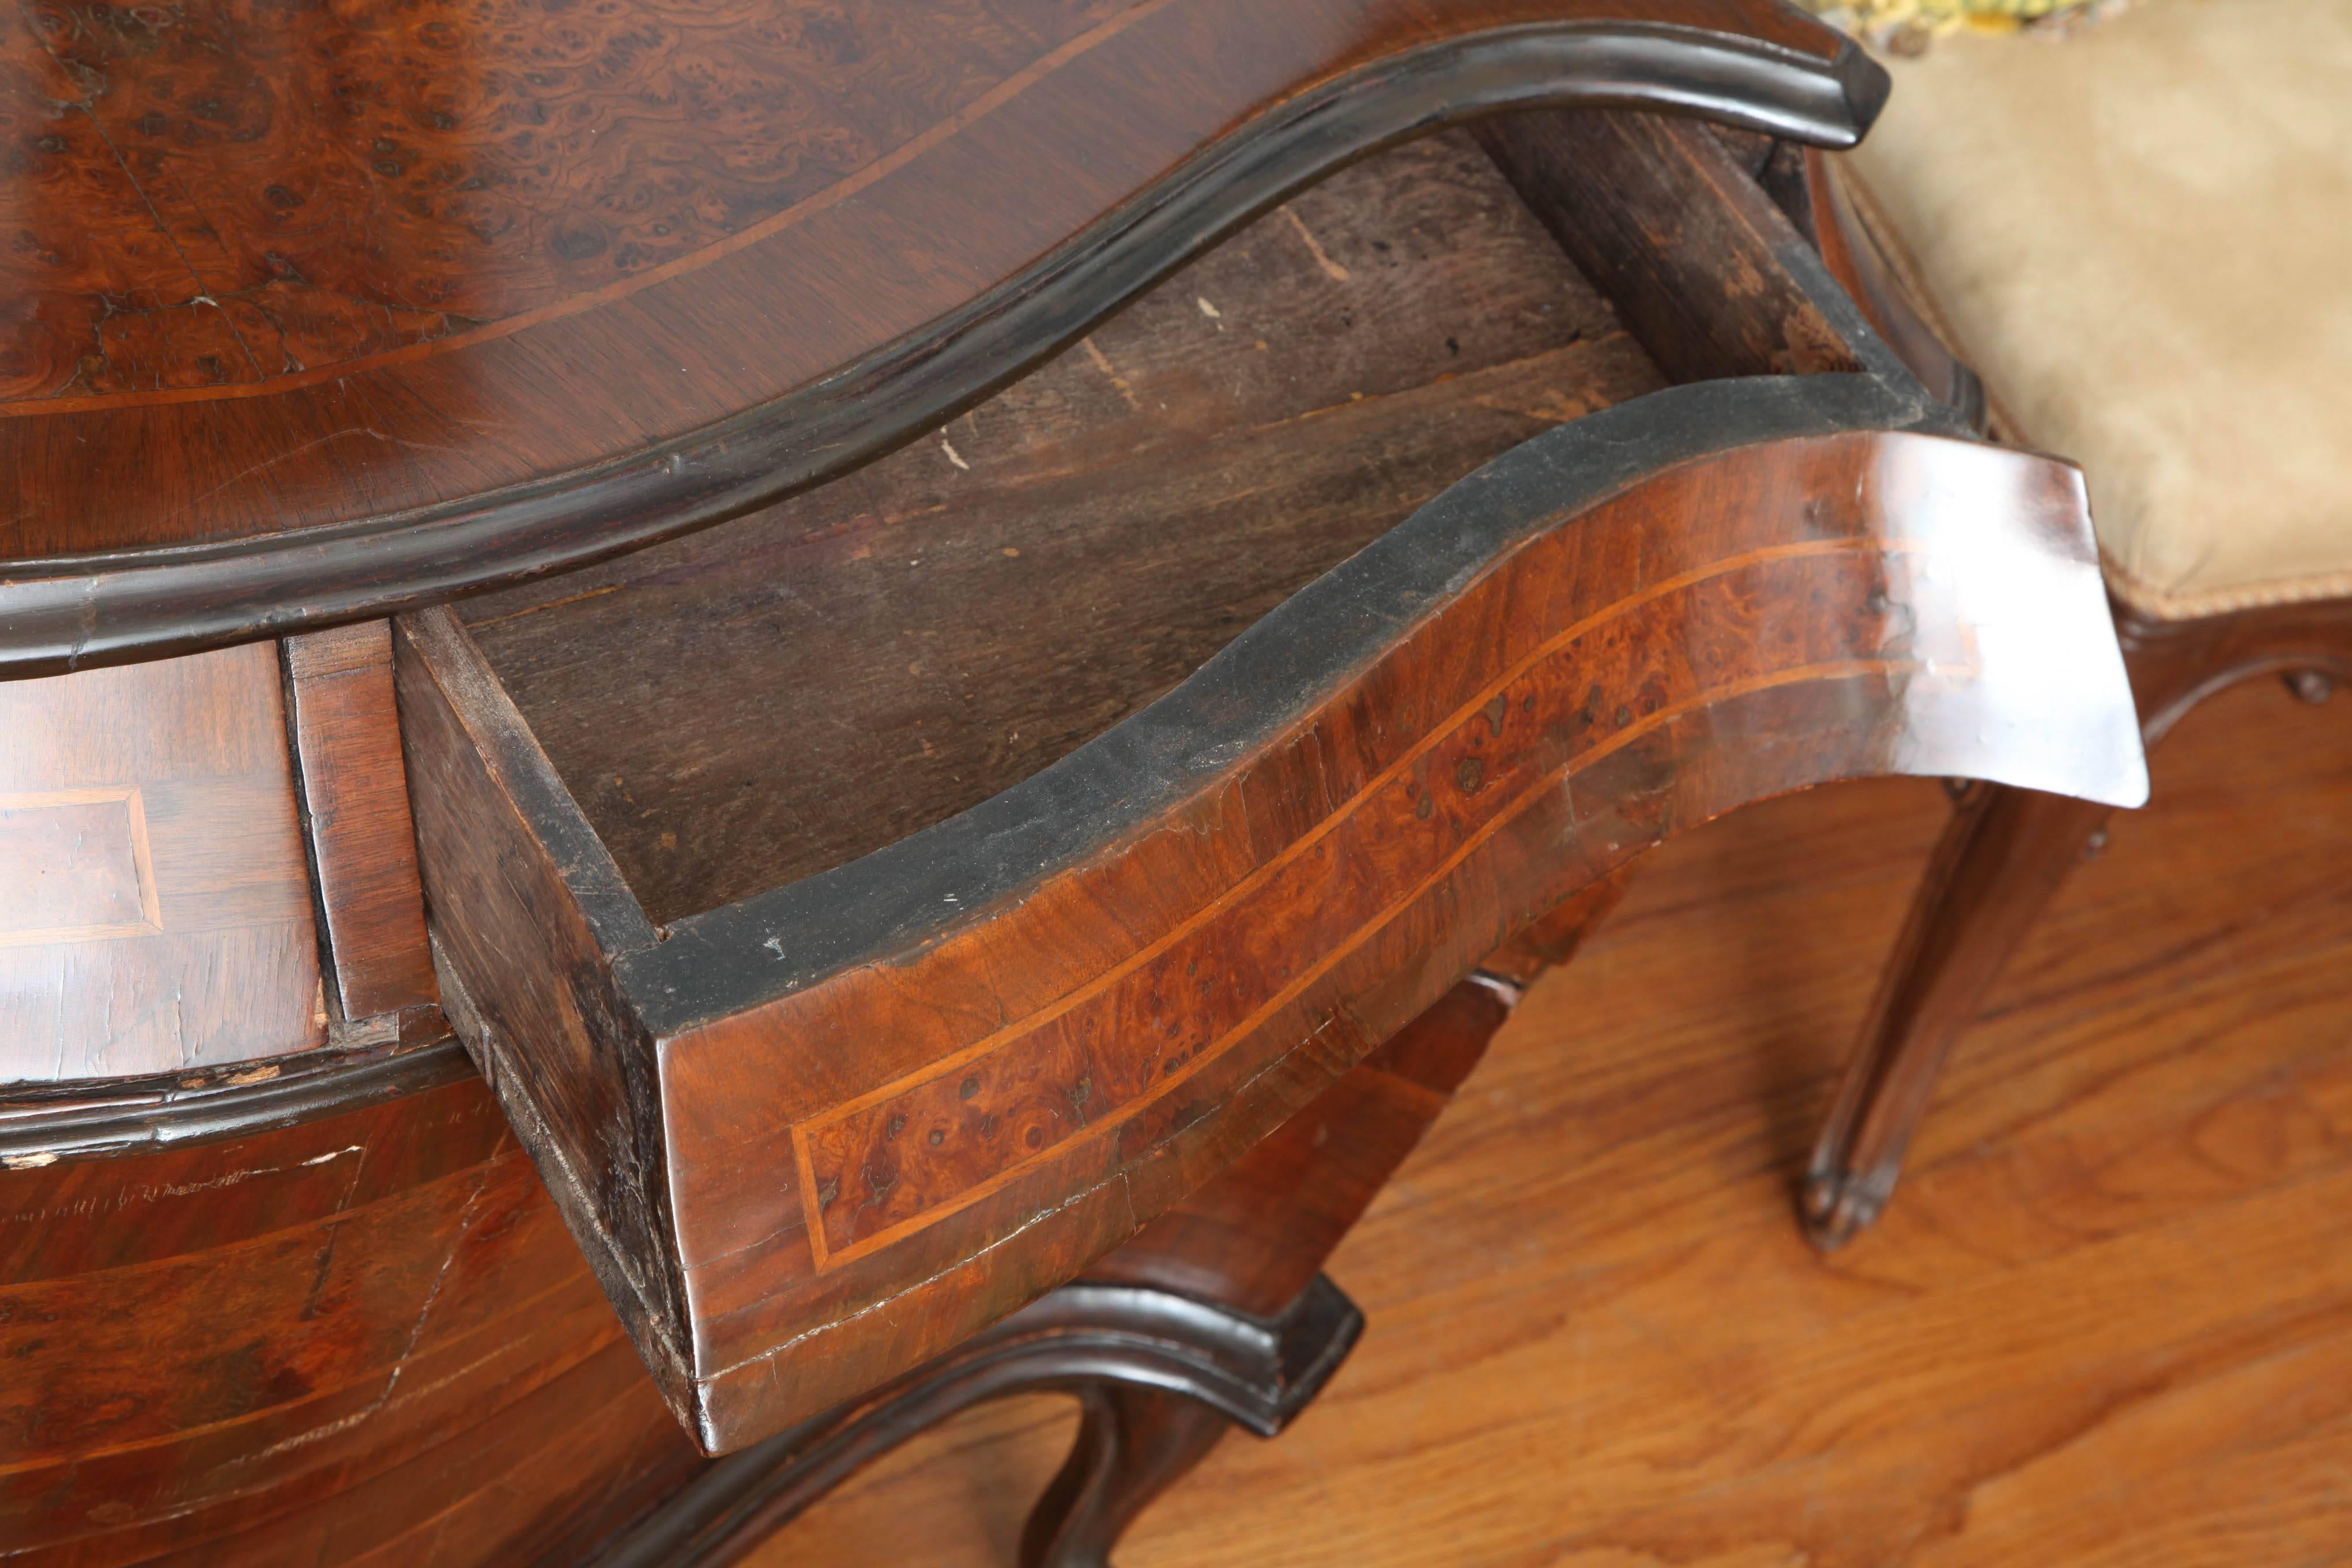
(137, 861)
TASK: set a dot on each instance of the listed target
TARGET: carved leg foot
(2004, 854)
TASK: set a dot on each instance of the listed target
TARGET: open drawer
(872, 910)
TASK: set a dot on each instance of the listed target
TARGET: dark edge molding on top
(1283, 667)
(66, 613)
(146, 1115)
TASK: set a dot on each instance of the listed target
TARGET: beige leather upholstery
(2142, 237)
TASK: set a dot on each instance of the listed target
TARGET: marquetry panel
(155, 895)
(81, 867)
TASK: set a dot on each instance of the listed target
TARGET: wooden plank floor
(2108, 1321)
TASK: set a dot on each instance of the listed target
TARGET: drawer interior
(746, 707)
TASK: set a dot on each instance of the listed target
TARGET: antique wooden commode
(721, 726)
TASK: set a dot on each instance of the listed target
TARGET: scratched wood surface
(879, 655)
(365, 1337)
(2110, 1321)
(265, 196)
(505, 290)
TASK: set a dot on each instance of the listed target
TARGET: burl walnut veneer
(970, 653)
(833, 1128)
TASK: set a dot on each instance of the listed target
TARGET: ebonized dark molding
(1081, 1339)
(64, 613)
(93, 1119)
(713, 964)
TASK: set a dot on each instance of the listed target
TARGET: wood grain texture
(320, 189)
(1667, 222)
(2006, 852)
(1257, 1235)
(377, 305)
(980, 1103)
(525, 963)
(2003, 856)
(1254, 1236)
(2109, 1322)
(154, 897)
(1214, 1315)
(900, 645)
(1159, 1376)
(354, 794)
(364, 1337)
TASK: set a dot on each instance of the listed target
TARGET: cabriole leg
(2004, 855)
(1133, 1443)
(1214, 1315)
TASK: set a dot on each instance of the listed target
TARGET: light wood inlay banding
(914, 1150)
